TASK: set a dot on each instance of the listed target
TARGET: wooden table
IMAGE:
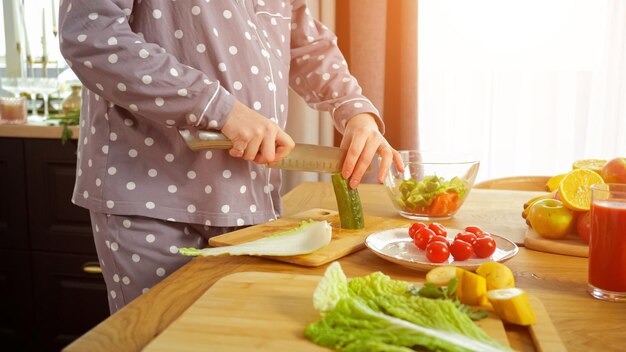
(583, 323)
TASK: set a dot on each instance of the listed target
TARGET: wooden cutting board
(269, 312)
(570, 245)
(343, 241)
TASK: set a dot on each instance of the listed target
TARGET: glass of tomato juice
(607, 244)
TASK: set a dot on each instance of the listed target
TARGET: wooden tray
(269, 312)
(343, 241)
(570, 245)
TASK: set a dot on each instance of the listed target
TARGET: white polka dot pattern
(165, 74)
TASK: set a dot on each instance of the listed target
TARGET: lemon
(512, 305)
(553, 182)
(594, 165)
(497, 275)
(574, 189)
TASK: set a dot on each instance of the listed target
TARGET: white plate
(396, 246)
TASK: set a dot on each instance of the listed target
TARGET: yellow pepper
(471, 289)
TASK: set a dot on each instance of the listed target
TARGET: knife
(303, 157)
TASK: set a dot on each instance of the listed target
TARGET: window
(35, 29)
(3, 45)
(527, 86)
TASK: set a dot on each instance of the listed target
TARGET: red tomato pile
(432, 239)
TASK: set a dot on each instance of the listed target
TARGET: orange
(574, 189)
(591, 164)
(553, 182)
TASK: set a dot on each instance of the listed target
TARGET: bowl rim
(441, 162)
(441, 158)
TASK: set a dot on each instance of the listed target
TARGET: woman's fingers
(386, 156)
(363, 140)
(284, 145)
(253, 148)
(361, 152)
(355, 148)
(397, 159)
(254, 137)
(237, 149)
(267, 151)
(363, 163)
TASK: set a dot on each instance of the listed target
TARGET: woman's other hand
(254, 137)
(363, 141)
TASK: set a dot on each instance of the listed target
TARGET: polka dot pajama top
(152, 67)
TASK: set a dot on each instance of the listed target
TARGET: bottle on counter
(73, 101)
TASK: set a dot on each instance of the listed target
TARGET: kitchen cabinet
(16, 298)
(60, 226)
(68, 301)
(13, 229)
(51, 290)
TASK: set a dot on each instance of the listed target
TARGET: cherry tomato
(438, 229)
(461, 250)
(441, 239)
(437, 252)
(422, 237)
(484, 246)
(415, 227)
(468, 237)
(474, 229)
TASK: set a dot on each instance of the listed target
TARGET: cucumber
(348, 204)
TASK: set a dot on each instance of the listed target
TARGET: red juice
(607, 245)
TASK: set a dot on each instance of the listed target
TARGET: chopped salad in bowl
(432, 186)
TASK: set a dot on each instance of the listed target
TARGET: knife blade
(303, 157)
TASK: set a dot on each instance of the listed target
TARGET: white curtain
(528, 87)
(304, 124)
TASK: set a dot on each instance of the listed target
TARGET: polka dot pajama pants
(137, 252)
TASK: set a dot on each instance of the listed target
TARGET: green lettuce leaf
(377, 313)
(332, 288)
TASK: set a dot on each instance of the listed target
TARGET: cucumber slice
(348, 204)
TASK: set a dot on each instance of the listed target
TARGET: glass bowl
(433, 186)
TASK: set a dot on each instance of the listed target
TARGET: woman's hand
(363, 141)
(254, 137)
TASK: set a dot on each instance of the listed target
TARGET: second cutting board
(256, 311)
(570, 245)
(343, 241)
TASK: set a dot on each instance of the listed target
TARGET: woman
(150, 68)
